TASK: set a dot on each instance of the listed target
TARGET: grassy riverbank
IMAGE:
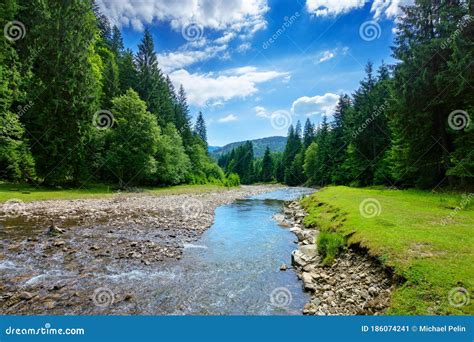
(427, 238)
(28, 193)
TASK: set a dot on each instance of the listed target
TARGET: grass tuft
(329, 246)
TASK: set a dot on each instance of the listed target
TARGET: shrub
(232, 179)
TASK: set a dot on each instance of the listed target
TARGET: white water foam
(190, 245)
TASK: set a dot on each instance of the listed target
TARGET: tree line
(76, 106)
(406, 125)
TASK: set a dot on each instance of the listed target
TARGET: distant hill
(276, 144)
(213, 148)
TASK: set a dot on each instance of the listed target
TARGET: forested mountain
(276, 144)
(91, 110)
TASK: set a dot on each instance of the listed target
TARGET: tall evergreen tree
(65, 87)
(182, 117)
(16, 162)
(339, 139)
(152, 86)
(128, 75)
(292, 148)
(422, 138)
(116, 42)
(267, 166)
(200, 129)
(308, 133)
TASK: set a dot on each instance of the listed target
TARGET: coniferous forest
(94, 111)
(76, 107)
(407, 125)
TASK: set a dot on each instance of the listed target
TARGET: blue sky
(255, 66)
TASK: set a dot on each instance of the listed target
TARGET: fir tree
(200, 129)
(267, 166)
(308, 133)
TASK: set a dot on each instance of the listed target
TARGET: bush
(232, 179)
(329, 246)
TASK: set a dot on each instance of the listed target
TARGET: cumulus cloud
(388, 8)
(232, 19)
(185, 57)
(233, 83)
(228, 118)
(245, 16)
(331, 7)
(262, 112)
(319, 104)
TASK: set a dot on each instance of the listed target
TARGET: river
(232, 269)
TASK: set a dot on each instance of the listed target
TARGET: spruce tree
(267, 166)
(152, 86)
(182, 118)
(16, 162)
(200, 129)
(128, 75)
(116, 42)
(308, 133)
(66, 88)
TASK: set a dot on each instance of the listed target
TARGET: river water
(234, 268)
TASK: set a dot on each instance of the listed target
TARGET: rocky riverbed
(57, 256)
(355, 284)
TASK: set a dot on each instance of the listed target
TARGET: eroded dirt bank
(67, 270)
(355, 284)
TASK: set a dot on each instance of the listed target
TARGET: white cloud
(234, 18)
(242, 16)
(243, 47)
(319, 104)
(182, 58)
(226, 38)
(229, 84)
(332, 7)
(326, 56)
(228, 118)
(262, 112)
(389, 8)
